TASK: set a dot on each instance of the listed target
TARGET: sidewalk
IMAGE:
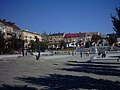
(11, 56)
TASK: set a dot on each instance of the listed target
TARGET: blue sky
(69, 16)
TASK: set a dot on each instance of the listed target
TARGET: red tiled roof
(70, 35)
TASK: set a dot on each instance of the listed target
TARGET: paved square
(59, 72)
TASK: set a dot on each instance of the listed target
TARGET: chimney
(13, 23)
(9, 22)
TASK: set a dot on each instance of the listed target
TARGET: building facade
(27, 36)
(88, 35)
(55, 40)
(9, 29)
(2, 27)
(74, 39)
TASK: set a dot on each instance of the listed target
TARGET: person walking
(81, 54)
(99, 53)
(103, 54)
(73, 53)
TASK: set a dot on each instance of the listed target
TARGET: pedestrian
(103, 54)
(81, 54)
(73, 53)
(26, 52)
(68, 53)
(88, 52)
(99, 53)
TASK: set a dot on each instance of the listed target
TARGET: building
(2, 27)
(27, 36)
(88, 35)
(74, 39)
(55, 40)
(9, 29)
(104, 39)
(12, 31)
(17, 31)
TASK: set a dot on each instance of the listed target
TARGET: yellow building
(55, 40)
(27, 36)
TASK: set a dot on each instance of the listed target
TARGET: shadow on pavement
(65, 82)
(9, 87)
(115, 56)
(116, 63)
(93, 65)
(94, 68)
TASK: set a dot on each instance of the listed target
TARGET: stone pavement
(59, 72)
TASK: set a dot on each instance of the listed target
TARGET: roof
(8, 23)
(56, 34)
(31, 32)
(70, 35)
